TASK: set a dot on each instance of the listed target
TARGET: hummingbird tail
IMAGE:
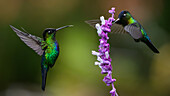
(44, 75)
(151, 46)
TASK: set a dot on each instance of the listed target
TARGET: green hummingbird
(47, 47)
(127, 24)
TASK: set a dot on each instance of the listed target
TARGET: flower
(103, 57)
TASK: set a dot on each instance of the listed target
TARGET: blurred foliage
(137, 69)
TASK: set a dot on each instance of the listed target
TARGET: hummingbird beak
(64, 27)
(117, 20)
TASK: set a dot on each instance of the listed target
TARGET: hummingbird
(47, 47)
(127, 24)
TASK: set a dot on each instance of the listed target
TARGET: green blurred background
(139, 72)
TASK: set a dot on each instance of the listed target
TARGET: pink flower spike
(103, 57)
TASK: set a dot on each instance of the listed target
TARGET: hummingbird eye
(124, 14)
(49, 32)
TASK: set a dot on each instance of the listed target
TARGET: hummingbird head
(124, 15)
(123, 18)
(50, 32)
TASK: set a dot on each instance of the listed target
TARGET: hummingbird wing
(115, 28)
(93, 23)
(134, 30)
(36, 43)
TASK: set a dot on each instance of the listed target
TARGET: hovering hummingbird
(127, 24)
(47, 47)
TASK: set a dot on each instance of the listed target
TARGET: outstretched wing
(36, 43)
(134, 30)
(93, 22)
(115, 28)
